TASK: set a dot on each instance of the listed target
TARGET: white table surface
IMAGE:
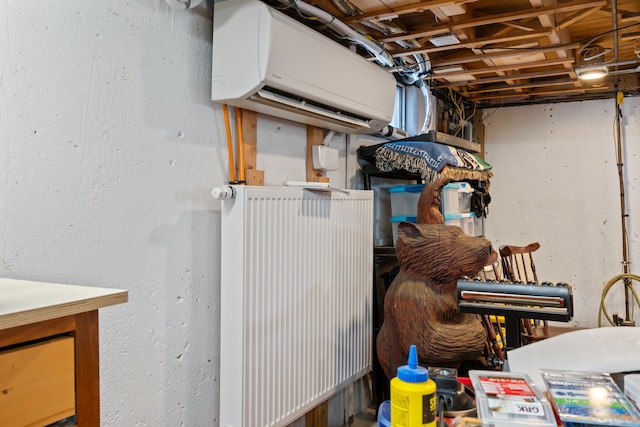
(23, 302)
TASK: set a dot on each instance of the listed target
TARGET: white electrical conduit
(388, 27)
(427, 106)
(331, 21)
(328, 137)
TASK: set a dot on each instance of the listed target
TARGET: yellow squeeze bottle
(413, 395)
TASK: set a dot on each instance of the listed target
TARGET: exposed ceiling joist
(468, 85)
(496, 19)
(521, 66)
(403, 10)
(473, 44)
(499, 52)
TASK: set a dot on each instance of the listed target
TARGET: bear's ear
(409, 229)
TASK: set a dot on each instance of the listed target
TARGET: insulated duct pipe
(382, 56)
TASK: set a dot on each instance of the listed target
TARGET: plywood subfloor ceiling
(505, 52)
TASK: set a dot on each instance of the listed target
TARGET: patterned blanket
(432, 161)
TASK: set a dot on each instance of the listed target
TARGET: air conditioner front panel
(256, 46)
(308, 64)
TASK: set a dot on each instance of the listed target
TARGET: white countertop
(23, 302)
(609, 349)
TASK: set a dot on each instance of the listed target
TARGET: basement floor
(366, 418)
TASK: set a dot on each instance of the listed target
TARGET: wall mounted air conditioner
(267, 62)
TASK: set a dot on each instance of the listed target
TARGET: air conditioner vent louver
(285, 101)
(319, 105)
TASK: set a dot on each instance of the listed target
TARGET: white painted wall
(110, 146)
(556, 182)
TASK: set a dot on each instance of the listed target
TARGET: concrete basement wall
(556, 182)
(109, 149)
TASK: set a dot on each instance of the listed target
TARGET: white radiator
(296, 300)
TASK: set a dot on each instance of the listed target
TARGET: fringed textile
(432, 161)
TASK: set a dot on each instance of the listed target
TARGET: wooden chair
(492, 324)
(517, 263)
(518, 266)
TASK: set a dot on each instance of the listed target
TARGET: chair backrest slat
(517, 261)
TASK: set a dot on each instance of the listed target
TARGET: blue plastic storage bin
(466, 221)
(456, 198)
(404, 199)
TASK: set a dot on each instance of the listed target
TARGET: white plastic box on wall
(404, 199)
(456, 198)
(396, 220)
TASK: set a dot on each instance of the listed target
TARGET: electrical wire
(241, 177)
(456, 103)
(473, 113)
(232, 164)
(626, 276)
(460, 108)
(605, 291)
(374, 48)
(619, 163)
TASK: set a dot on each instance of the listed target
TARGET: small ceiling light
(592, 72)
(590, 63)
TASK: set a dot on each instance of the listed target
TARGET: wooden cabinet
(37, 382)
(49, 352)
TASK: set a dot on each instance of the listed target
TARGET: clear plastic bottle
(413, 395)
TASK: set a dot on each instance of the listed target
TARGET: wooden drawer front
(37, 383)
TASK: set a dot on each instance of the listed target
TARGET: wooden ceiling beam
(520, 86)
(578, 16)
(542, 93)
(435, 63)
(500, 79)
(506, 56)
(395, 12)
(445, 14)
(556, 36)
(629, 17)
(546, 19)
(630, 36)
(510, 67)
(472, 44)
(533, 12)
(497, 18)
(518, 26)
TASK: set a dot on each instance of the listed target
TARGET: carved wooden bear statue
(420, 306)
